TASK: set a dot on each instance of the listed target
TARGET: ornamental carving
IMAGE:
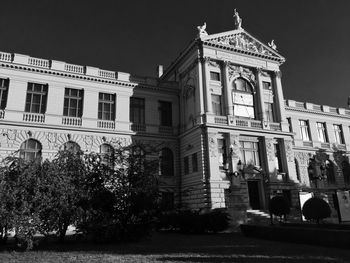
(303, 158)
(270, 149)
(239, 71)
(289, 151)
(235, 146)
(88, 140)
(242, 41)
(212, 144)
(11, 136)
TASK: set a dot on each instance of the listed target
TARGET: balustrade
(34, 117)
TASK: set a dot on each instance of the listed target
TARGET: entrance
(254, 194)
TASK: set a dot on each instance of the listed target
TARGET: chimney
(160, 70)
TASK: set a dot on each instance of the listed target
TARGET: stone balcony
(242, 122)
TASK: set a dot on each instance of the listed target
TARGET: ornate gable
(242, 42)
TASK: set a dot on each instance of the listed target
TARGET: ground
(170, 247)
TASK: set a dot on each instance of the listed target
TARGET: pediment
(241, 41)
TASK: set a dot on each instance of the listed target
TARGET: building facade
(226, 136)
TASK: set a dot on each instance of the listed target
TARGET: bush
(193, 221)
(316, 209)
(279, 206)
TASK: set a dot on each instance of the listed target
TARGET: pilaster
(260, 95)
(227, 90)
(207, 94)
(281, 114)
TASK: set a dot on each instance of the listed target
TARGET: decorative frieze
(239, 71)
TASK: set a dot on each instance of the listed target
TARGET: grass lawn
(170, 247)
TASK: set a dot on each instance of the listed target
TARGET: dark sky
(135, 36)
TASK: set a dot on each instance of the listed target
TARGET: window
(278, 158)
(194, 163)
(215, 76)
(268, 112)
(222, 153)
(338, 132)
(167, 162)
(243, 99)
(73, 102)
(289, 120)
(267, 85)
(216, 104)
(186, 165)
(167, 201)
(4, 87)
(250, 152)
(106, 106)
(330, 172)
(71, 147)
(30, 150)
(297, 170)
(304, 130)
(165, 113)
(36, 98)
(321, 132)
(137, 110)
(107, 154)
(346, 172)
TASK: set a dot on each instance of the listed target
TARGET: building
(225, 134)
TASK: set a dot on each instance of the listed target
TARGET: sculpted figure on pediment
(237, 20)
(202, 30)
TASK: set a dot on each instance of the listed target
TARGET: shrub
(279, 206)
(316, 209)
(193, 221)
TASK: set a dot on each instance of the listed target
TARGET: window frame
(338, 133)
(69, 98)
(137, 110)
(248, 90)
(4, 88)
(25, 152)
(33, 94)
(165, 110)
(322, 132)
(111, 103)
(305, 130)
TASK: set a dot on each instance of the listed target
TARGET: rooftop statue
(237, 20)
(201, 30)
(272, 45)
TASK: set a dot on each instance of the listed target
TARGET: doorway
(254, 194)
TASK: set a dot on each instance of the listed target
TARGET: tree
(316, 209)
(279, 206)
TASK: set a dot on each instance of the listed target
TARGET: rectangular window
(165, 113)
(268, 112)
(137, 110)
(338, 132)
(73, 102)
(222, 153)
(4, 87)
(215, 76)
(278, 158)
(216, 104)
(321, 132)
(36, 98)
(267, 85)
(186, 165)
(304, 130)
(194, 163)
(106, 106)
(250, 152)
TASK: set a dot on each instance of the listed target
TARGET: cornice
(83, 77)
(317, 112)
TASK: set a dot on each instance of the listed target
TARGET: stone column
(200, 89)
(207, 94)
(260, 96)
(281, 114)
(227, 90)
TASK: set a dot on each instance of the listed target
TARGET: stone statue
(272, 45)
(201, 30)
(237, 20)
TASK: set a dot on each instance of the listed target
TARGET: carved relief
(270, 149)
(11, 136)
(303, 158)
(243, 42)
(235, 146)
(52, 140)
(88, 140)
(212, 144)
(235, 71)
(289, 151)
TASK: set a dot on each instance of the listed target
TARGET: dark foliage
(193, 221)
(279, 206)
(316, 209)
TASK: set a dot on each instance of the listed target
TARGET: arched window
(107, 153)
(297, 169)
(243, 99)
(30, 150)
(166, 162)
(71, 147)
(346, 171)
(329, 166)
